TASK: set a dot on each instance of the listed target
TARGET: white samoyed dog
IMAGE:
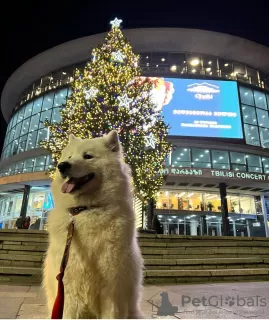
(104, 274)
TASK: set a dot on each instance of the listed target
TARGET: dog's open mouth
(74, 184)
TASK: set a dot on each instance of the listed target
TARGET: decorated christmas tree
(108, 94)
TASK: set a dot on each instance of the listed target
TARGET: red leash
(58, 307)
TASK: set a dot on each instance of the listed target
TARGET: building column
(25, 200)
(224, 209)
(264, 211)
(193, 227)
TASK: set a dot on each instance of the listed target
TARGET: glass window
(15, 147)
(34, 123)
(44, 115)
(37, 105)
(20, 114)
(233, 203)
(194, 64)
(31, 144)
(254, 163)
(195, 201)
(263, 119)
(260, 100)
(25, 126)
(252, 135)
(60, 98)
(29, 165)
(253, 76)
(40, 163)
(48, 101)
(56, 115)
(12, 135)
(48, 161)
(159, 59)
(68, 75)
(177, 62)
(247, 205)
(18, 130)
(28, 110)
(265, 163)
(220, 159)
(167, 200)
(249, 114)
(239, 69)
(19, 167)
(22, 143)
(264, 135)
(246, 96)
(201, 158)
(181, 157)
(238, 161)
(213, 202)
(15, 117)
(42, 135)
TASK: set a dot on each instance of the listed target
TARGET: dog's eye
(87, 156)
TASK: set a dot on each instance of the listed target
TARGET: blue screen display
(202, 108)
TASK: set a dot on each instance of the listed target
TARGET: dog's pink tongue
(68, 186)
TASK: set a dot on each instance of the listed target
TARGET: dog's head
(87, 164)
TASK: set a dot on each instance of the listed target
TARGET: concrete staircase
(168, 259)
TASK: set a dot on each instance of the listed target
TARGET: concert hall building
(213, 90)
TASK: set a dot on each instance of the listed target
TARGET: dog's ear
(71, 137)
(112, 141)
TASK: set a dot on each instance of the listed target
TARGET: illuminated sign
(199, 108)
(212, 173)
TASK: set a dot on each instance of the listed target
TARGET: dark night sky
(34, 26)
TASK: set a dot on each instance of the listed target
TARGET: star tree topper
(118, 56)
(150, 141)
(91, 93)
(116, 23)
(124, 101)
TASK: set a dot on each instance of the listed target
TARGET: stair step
(198, 244)
(20, 270)
(206, 273)
(194, 251)
(204, 261)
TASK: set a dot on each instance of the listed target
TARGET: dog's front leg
(113, 308)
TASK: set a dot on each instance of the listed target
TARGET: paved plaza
(202, 301)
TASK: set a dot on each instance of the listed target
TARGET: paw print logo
(229, 301)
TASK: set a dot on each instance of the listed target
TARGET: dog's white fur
(103, 278)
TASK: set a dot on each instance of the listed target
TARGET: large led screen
(201, 108)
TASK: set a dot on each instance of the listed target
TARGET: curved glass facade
(176, 63)
(35, 164)
(218, 159)
(25, 129)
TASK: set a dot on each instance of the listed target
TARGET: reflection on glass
(246, 96)
(201, 158)
(249, 114)
(220, 159)
(181, 157)
(252, 135)
(260, 100)
(263, 119)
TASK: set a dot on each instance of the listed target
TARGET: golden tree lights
(110, 94)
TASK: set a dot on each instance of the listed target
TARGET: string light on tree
(151, 141)
(119, 99)
(118, 56)
(116, 23)
(91, 93)
(125, 101)
(94, 57)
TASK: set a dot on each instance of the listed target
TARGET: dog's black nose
(64, 166)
